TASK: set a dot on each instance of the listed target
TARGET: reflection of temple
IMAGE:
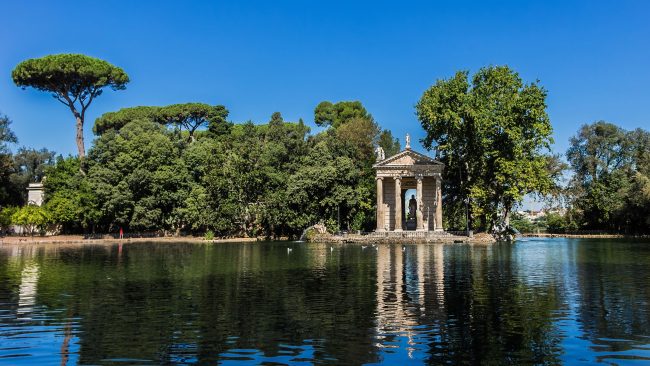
(404, 276)
(27, 290)
(398, 173)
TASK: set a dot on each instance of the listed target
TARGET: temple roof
(407, 158)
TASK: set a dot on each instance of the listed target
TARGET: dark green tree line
(145, 173)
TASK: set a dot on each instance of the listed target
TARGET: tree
(69, 198)
(610, 187)
(328, 114)
(6, 215)
(7, 137)
(492, 134)
(389, 143)
(116, 120)
(32, 218)
(32, 163)
(29, 167)
(192, 116)
(74, 80)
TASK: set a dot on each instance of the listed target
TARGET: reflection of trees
(460, 304)
(614, 293)
(171, 303)
(492, 316)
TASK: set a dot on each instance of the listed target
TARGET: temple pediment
(407, 158)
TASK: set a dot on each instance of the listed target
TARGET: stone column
(439, 204)
(418, 212)
(398, 203)
(381, 218)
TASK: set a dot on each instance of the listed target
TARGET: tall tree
(74, 80)
(492, 133)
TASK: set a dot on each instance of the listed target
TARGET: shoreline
(81, 240)
(585, 236)
(57, 240)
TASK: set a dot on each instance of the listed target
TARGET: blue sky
(259, 57)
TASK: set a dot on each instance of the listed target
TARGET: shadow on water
(545, 301)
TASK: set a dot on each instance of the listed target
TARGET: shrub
(31, 218)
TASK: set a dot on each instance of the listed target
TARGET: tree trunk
(80, 137)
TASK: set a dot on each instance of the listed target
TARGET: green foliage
(522, 224)
(610, 188)
(191, 116)
(272, 179)
(209, 235)
(389, 143)
(328, 114)
(491, 133)
(7, 136)
(69, 74)
(29, 166)
(117, 120)
(31, 218)
(6, 215)
(74, 80)
(188, 116)
(70, 200)
(555, 223)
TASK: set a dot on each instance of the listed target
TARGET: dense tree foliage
(492, 133)
(20, 169)
(188, 116)
(335, 114)
(74, 80)
(273, 179)
(610, 188)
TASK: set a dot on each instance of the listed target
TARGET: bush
(555, 223)
(332, 226)
(31, 218)
(209, 235)
(5, 218)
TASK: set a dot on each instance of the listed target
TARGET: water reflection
(535, 302)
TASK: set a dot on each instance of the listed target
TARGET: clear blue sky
(259, 57)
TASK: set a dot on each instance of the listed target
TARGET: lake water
(538, 301)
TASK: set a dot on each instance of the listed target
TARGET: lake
(537, 301)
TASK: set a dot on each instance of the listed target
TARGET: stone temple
(396, 175)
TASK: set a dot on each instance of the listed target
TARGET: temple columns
(381, 217)
(418, 212)
(438, 226)
(398, 203)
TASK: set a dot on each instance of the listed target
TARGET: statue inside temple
(413, 204)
